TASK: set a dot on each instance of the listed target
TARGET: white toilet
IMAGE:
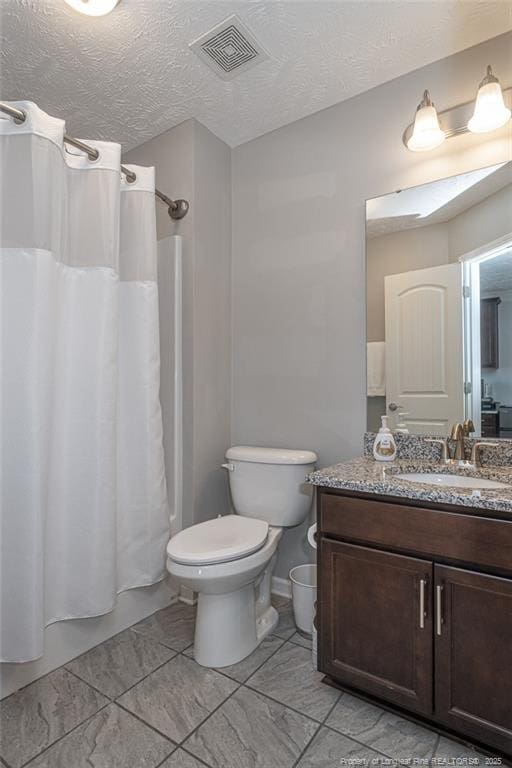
(229, 561)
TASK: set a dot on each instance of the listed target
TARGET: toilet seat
(218, 541)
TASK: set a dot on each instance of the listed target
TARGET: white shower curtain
(84, 507)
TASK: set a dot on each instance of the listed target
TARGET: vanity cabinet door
(376, 623)
(473, 652)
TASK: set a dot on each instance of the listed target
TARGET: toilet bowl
(229, 561)
(234, 613)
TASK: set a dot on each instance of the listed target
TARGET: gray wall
(212, 323)
(397, 252)
(193, 163)
(481, 224)
(296, 287)
(299, 254)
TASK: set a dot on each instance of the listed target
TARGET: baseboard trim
(187, 596)
(281, 587)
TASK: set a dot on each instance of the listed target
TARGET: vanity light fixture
(490, 111)
(426, 133)
(93, 7)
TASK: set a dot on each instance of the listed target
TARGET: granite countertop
(366, 475)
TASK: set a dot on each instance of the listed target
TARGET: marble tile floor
(139, 700)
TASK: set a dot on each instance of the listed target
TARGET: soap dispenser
(384, 447)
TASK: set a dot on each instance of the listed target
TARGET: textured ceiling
(496, 274)
(130, 75)
(446, 198)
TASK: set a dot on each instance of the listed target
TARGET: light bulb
(427, 133)
(490, 110)
(93, 7)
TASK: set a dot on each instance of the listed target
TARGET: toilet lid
(218, 541)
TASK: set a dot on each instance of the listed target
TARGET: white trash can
(303, 578)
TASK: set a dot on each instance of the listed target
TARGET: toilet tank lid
(270, 455)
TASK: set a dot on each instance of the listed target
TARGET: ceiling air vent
(229, 48)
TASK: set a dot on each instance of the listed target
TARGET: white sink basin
(458, 481)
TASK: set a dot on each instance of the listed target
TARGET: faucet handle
(468, 427)
(475, 450)
(443, 444)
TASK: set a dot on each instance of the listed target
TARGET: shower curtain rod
(177, 208)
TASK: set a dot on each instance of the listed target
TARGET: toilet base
(230, 626)
(227, 629)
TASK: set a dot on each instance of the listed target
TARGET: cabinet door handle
(423, 584)
(439, 609)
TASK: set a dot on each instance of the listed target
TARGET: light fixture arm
(426, 101)
(489, 78)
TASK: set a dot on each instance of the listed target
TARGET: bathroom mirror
(439, 305)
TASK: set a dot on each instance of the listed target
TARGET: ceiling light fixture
(490, 111)
(93, 7)
(426, 133)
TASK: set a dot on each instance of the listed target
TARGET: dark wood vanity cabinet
(490, 424)
(415, 607)
(489, 334)
(473, 654)
(377, 640)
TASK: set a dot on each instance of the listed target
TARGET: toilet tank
(270, 483)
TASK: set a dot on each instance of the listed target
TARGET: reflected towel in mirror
(376, 368)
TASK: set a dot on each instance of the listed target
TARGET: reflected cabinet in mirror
(439, 305)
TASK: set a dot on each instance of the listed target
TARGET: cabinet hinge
(468, 388)
(466, 291)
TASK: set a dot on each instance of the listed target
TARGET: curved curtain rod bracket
(180, 210)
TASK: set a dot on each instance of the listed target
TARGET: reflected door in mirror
(424, 349)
